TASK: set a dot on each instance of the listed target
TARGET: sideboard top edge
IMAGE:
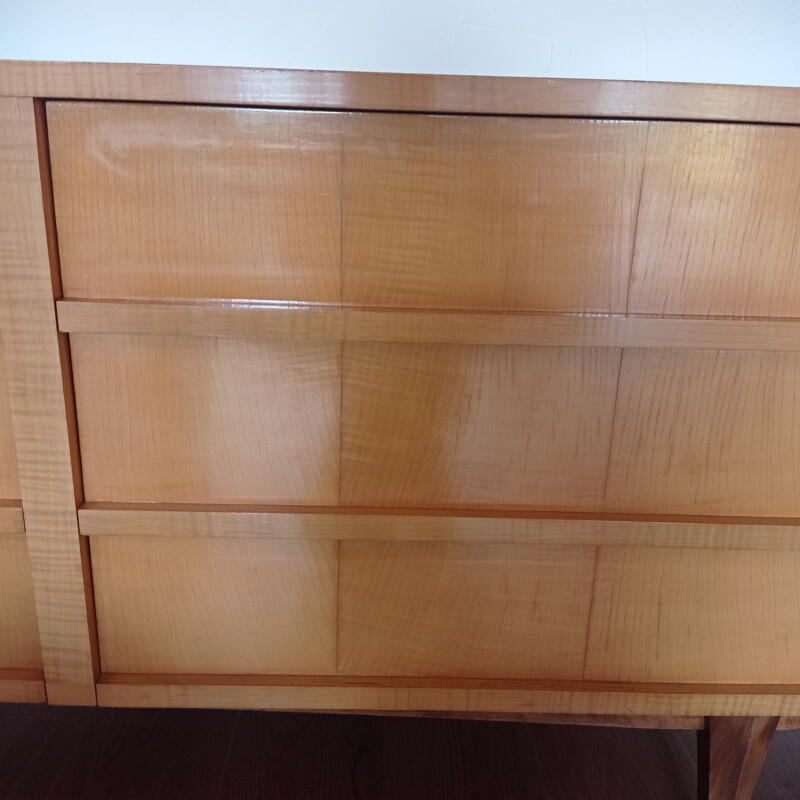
(362, 91)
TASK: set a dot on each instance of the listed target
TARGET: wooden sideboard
(401, 394)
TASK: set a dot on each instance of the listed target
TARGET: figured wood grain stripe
(98, 519)
(379, 91)
(395, 694)
(36, 387)
(321, 323)
(12, 522)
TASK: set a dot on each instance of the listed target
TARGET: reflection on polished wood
(225, 198)
(205, 420)
(19, 638)
(490, 213)
(219, 607)
(706, 432)
(435, 426)
(439, 94)
(694, 616)
(718, 230)
(324, 323)
(435, 609)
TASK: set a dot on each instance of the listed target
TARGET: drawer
(433, 609)
(181, 202)
(201, 420)
(19, 638)
(215, 607)
(9, 480)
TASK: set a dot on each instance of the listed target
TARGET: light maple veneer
(695, 616)
(180, 419)
(9, 479)
(473, 610)
(706, 432)
(19, 638)
(490, 213)
(718, 231)
(488, 407)
(215, 607)
(429, 426)
(228, 199)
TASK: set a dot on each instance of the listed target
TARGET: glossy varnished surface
(35, 365)
(385, 92)
(473, 610)
(196, 202)
(216, 607)
(19, 640)
(208, 420)
(694, 616)
(706, 432)
(9, 480)
(718, 231)
(490, 213)
(435, 426)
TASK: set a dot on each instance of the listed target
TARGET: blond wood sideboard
(400, 394)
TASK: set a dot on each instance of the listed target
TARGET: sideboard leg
(730, 755)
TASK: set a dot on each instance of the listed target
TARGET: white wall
(718, 41)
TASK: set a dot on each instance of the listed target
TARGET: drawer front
(9, 480)
(433, 609)
(170, 202)
(19, 638)
(178, 419)
(215, 607)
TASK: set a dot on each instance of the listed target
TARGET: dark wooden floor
(105, 754)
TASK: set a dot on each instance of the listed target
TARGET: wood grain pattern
(439, 94)
(207, 420)
(9, 480)
(695, 616)
(209, 606)
(33, 361)
(463, 610)
(19, 638)
(109, 519)
(718, 230)
(398, 694)
(706, 432)
(491, 213)
(737, 749)
(327, 324)
(196, 202)
(12, 522)
(429, 426)
(22, 686)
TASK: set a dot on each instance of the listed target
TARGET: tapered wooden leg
(730, 755)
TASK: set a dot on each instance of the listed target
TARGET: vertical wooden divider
(39, 385)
